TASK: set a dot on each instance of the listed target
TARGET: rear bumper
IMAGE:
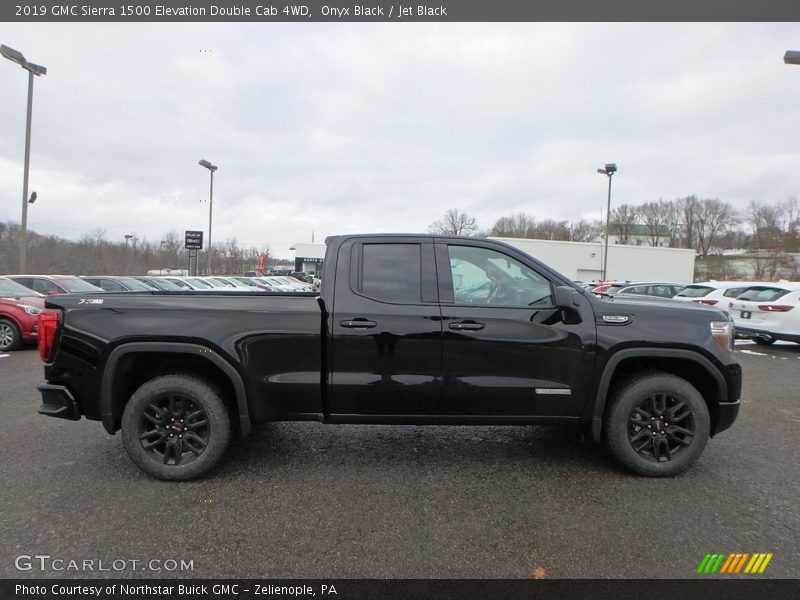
(57, 401)
(746, 332)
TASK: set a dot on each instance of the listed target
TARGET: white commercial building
(584, 261)
(308, 258)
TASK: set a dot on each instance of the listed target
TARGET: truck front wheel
(658, 425)
(176, 427)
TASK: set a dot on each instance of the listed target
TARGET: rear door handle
(358, 324)
(468, 325)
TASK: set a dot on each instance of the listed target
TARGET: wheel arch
(130, 364)
(686, 364)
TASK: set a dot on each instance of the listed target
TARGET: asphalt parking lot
(310, 500)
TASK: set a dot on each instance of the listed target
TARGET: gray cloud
(340, 128)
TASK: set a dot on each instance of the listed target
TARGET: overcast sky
(342, 128)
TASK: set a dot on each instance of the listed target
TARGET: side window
(109, 285)
(43, 286)
(391, 273)
(487, 277)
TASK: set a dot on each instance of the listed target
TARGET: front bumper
(57, 401)
(726, 415)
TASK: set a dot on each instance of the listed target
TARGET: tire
(10, 336)
(683, 431)
(764, 341)
(176, 427)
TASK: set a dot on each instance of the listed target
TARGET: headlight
(31, 310)
(723, 332)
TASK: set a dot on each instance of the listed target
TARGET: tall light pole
(609, 171)
(211, 168)
(32, 69)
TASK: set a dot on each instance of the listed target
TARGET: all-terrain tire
(176, 427)
(657, 425)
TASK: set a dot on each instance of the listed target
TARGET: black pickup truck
(407, 329)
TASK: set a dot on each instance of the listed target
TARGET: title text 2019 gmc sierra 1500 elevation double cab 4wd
(407, 329)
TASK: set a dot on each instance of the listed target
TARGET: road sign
(193, 240)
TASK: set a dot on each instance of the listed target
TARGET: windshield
(695, 291)
(73, 284)
(12, 289)
(763, 294)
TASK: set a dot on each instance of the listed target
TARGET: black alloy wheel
(176, 427)
(661, 427)
(657, 424)
(173, 430)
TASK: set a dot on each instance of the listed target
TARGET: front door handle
(358, 324)
(468, 325)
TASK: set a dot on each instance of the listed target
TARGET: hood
(635, 304)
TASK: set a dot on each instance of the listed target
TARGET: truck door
(386, 329)
(506, 349)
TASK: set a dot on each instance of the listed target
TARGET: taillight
(708, 302)
(48, 328)
(775, 307)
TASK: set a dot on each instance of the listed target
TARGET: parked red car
(19, 314)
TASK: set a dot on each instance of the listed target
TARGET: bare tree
(767, 223)
(550, 229)
(655, 216)
(583, 231)
(689, 208)
(454, 222)
(623, 218)
(518, 225)
(672, 219)
(712, 218)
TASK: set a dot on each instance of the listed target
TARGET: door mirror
(566, 297)
(52, 292)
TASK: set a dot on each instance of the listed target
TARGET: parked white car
(713, 292)
(767, 313)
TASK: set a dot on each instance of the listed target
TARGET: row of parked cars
(22, 296)
(762, 311)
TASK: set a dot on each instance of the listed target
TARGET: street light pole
(17, 57)
(609, 171)
(212, 169)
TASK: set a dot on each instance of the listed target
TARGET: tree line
(706, 225)
(95, 254)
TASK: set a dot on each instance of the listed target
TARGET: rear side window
(763, 294)
(108, 285)
(696, 291)
(43, 286)
(73, 284)
(392, 273)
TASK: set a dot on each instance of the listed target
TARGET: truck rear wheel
(176, 427)
(658, 425)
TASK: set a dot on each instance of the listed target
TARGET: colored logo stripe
(734, 563)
